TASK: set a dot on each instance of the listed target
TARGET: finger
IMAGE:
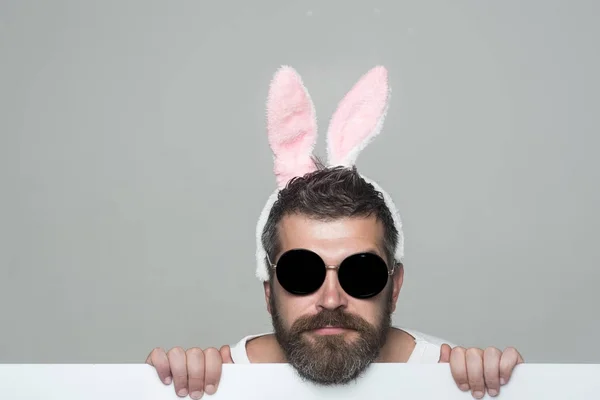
(458, 367)
(177, 360)
(158, 359)
(475, 372)
(214, 366)
(226, 354)
(196, 366)
(491, 370)
(509, 360)
(445, 351)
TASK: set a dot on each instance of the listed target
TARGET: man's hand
(193, 372)
(477, 370)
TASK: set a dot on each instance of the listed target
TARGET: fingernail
(182, 392)
(196, 395)
(464, 387)
(493, 392)
(478, 395)
(502, 381)
(210, 389)
(168, 380)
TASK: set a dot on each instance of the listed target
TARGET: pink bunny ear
(291, 126)
(358, 118)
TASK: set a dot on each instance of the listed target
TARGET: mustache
(336, 318)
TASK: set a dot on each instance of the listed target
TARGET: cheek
(291, 308)
(371, 311)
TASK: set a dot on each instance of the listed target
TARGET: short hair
(328, 194)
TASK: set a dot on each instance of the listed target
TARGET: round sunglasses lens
(363, 275)
(300, 272)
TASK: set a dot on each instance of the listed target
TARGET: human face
(329, 336)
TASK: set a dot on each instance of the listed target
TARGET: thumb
(445, 351)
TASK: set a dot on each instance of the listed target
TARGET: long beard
(331, 359)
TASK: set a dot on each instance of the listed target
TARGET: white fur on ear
(292, 135)
(350, 158)
(358, 118)
(399, 253)
(262, 271)
(291, 126)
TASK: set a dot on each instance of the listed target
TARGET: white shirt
(426, 351)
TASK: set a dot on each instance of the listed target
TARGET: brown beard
(330, 359)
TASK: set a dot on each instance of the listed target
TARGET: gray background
(134, 164)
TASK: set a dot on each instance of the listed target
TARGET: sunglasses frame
(390, 272)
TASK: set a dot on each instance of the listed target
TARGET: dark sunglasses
(361, 275)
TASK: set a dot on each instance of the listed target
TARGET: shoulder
(427, 347)
(254, 349)
(421, 337)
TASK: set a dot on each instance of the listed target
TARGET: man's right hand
(192, 372)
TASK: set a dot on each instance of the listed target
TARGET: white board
(278, 381)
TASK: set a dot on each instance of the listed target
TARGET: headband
(292, 134)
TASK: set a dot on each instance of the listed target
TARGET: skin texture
(196, 371)
(361, 324)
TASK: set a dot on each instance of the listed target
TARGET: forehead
(336, 238)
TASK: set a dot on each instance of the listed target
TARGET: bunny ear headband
(292, 134)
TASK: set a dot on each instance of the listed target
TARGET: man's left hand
(480, 370)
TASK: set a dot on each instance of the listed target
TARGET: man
(329, 251)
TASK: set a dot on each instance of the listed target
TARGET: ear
(291, 126)
(397, 281)
(358, 118)
(267, 288)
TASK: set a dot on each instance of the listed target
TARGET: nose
(332, 295)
